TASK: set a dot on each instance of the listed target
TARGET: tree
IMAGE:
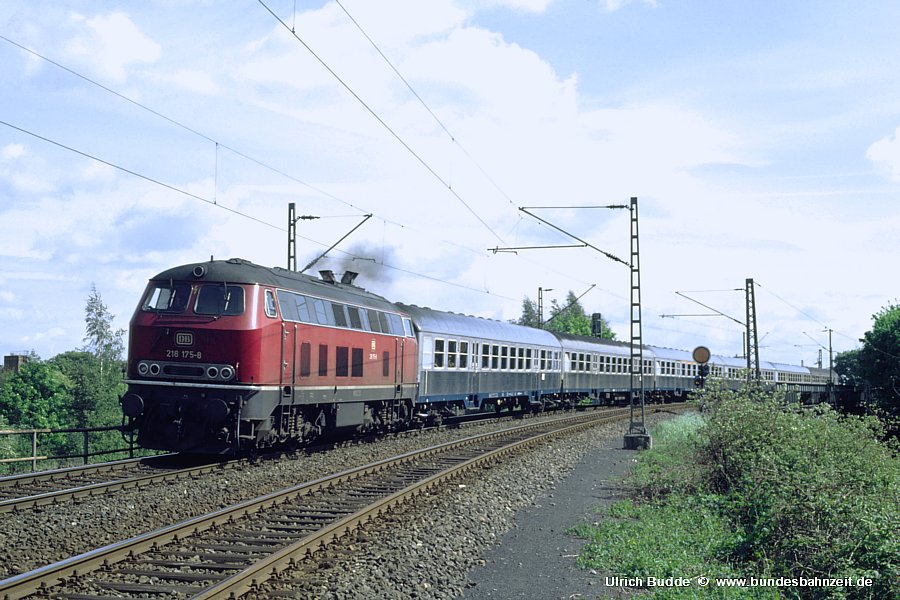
(37, 396)
(104, 343)
(571, 318)
(879, 358)
(530, 316)
(93, 402)
(847, 367)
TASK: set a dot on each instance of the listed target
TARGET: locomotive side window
(396, 324)
(340, 315)
(270, 304)
(323, 360)
(408, 328)
(374, 323)
(323, 313)
(305, 359)
(355, 320)
(342, 361)
(167, 298)
(356, 362)
(216, 299)
(383, 321)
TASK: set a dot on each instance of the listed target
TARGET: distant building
(13, 362)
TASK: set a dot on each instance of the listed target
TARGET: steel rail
(249, 579)
(42, 579)
(105, 487)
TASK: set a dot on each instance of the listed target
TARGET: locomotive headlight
(154, 369)
(226, 373)
(212, 372)
(143, 368)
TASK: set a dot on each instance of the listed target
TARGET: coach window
(521, 365)
(464, 355)
(529, 364)
(485, 356)
(451, 354)
(270, 304)
(504, 358)
(439, 353)
(342, 361)
(356, 362)
(495, 357)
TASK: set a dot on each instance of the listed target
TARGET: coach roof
(450, 324)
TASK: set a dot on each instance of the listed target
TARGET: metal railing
(85, 455)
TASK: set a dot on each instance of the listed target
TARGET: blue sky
(761, 139)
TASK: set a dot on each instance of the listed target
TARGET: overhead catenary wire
(140, 175)
(219, 145)
(383, 123)
(437, 120)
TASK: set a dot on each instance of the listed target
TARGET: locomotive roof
(451, 324)
(238, 270)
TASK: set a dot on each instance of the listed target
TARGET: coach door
(288, 357)
(399, 361)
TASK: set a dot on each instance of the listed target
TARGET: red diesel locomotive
(228, 355)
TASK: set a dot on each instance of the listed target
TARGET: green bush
(815, 493)
(757, 488)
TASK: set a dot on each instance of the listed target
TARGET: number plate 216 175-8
(189, 354)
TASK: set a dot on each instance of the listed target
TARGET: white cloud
(886, 154)
(112, 42)
(614, 5)
(12, 151)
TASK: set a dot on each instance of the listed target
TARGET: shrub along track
(224, 553)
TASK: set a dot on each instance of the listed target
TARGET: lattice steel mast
(753, 373)
(637, 430)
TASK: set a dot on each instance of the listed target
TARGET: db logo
(184, 338)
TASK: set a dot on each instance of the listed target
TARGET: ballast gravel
(422, 551)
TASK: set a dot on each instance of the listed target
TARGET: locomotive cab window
(220, 299)
(165, 297)
(270, 304)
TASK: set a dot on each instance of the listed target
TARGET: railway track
(224, 553)
(47, 487)
(19, 492)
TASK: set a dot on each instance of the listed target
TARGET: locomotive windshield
(167, 297)
(220, 299)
